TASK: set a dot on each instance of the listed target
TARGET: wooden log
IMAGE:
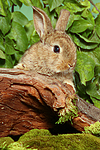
(30, 100)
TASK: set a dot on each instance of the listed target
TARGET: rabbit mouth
(68, 68)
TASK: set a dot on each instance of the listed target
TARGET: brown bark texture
(30, 100)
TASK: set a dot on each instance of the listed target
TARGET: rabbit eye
(56, 49)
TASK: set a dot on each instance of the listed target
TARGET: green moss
(5, 141)
(93, 129)
(69, 112)
(34, 133)
(17, 146)
(42, 140)
(66, 141)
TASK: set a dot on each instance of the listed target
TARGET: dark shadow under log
(29, 100)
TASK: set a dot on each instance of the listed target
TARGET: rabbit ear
(63, 20)
(41, 22)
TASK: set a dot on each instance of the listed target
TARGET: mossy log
(30, 100)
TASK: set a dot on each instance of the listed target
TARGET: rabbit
(55, 54)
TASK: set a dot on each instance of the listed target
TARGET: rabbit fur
(55, 54)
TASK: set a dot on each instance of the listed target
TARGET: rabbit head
(55, 54)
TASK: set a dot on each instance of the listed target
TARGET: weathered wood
(29, 100)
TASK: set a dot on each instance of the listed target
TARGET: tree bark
(30, 100)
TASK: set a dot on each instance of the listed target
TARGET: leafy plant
(17, 33)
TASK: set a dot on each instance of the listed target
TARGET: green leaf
(88, 16)
(97, 26)
(85, 67)
(9, 46)
(72, 18)
(27, 2)
(94, 37)
(92, 40)
(93, 56)
(96, 101)
(97, 70)
(73, 6)
(2, 63)
(29, 28)
(18, 55)
(54, 3)
(10, 3)
(4, 25)
(96, 53)
(2, 47)
(34, 38)
(9, 49)
(85, 3)
(37, 3)
(19, 18)
(81, 25)
(17, 2)
(2, 55)
(4, 7)
(94, 10)
(93, 89)
(19, 35)
(82, 43)
(8, 62)
(80, 88)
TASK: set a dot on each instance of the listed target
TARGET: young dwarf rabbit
(55, 54)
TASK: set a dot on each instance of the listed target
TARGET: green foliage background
(17, 34)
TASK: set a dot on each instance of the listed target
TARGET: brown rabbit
(55, 54)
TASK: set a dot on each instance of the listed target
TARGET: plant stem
(12, 10)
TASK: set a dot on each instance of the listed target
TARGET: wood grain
(29, 100)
